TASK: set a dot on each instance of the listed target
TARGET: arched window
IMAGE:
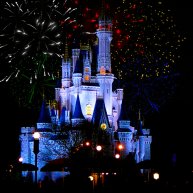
(86, 77)
(88, 109)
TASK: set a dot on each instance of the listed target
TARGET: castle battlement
(146, 131)
(27, 130)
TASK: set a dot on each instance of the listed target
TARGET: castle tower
(75, 54)
(26, 141)
(104, 76)
(102, 134)
(124, 134)
(44, 122)
(77, 74)
(104, 34)
(143, 142)
(66, 69)
(86, 69)
(57, 88)
(141, 146)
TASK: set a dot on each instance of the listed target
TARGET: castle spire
(66, 68)
(100, 113)
(123, 113)
(44, 116)
(44, 121)
(66, 55)
(104, 34)
(139, 124)
(139, 114)
(102, 12)
(78, 111)
(77, 117)
(62, 116)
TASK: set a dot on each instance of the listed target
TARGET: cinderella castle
(86, 108)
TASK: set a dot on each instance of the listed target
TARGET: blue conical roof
(77, 111)
(62, 116)
(100, 113)
(44, 116)
(123, 120)
(123, 114)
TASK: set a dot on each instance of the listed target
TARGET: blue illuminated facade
(84, 98)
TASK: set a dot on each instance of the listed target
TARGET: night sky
(171, 126)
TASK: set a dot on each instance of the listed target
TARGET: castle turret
(44, 122)
(103, 134)
(141, 137)
(75, 53)
(66, 81)
(104, 76)
(104, 34)
(86, 69)
(143, 145)
(66, 69)
(124, 134)
(57, 88)
(77, 74)
(119, 100)
(26, 141)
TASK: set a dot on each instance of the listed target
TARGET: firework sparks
(145, 50)
(146, 39)
(30, 28)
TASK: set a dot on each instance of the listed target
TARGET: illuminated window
(102, 70)
(86, 77)
(88, 109)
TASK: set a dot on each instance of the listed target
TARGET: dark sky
(172, 125)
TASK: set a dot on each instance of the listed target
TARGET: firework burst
(30, 88)
(32, 36)
(30, 28)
